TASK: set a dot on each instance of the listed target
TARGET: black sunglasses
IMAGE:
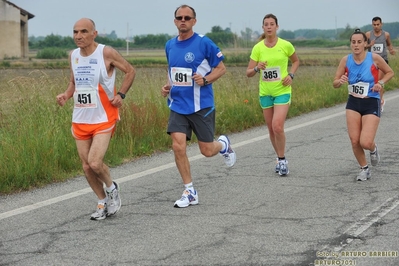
(186, 18)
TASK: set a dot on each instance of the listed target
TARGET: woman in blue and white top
(363, 110)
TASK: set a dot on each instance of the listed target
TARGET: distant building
(14, 31)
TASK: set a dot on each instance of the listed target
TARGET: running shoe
(277, 168)
(114, 200)
(283, 167)
(364, 175)
(188, 198)
(374, 157)
(100, 213)
(228, 154)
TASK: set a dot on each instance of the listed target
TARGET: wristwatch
(381, 83)
(121, 94)
(256, 69)
(205, 81)
(291, 75)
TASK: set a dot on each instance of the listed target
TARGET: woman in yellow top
(270, 57)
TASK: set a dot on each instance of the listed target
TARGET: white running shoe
(188, 198)
(228, 154)
(100, 213)
(277, 168)
(364, 175)
(283, 167)
(374, 157)
(114, 200)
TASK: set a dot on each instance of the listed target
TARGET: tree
(346, 34)
(247, 34)
(151, 40)
(112, 35)
(221, 37)
(284, 34)
(216, 29)
(52, 41)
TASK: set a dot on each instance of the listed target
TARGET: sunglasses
(186, 18)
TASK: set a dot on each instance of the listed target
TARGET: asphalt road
(247, 215)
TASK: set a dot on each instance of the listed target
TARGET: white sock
(189, 186)
(112, 187)
(103, 201)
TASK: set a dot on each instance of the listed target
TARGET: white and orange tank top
(94, 89)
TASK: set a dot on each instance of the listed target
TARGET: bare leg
(275, 119)
(362, 131)
(179, 145)
(91, 153)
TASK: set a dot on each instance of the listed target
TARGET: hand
(343, 79)
(262, 65)
(165, 90)
(377, 87)
(198, 79)
(117, 101)
(287, 80)
(61, 99)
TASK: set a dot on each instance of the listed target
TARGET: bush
(5, 64)
(52, 53)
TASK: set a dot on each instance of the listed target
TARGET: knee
(96, 166)
(355, 143)
(207, 152)
(366, 144)
(278, 130)
(86, 167)
(178, 149)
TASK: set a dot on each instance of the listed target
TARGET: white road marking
(359, 227)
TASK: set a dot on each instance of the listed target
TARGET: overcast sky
(137, 17)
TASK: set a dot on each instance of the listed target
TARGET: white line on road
(359, 227)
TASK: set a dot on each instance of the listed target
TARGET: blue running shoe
(283, 165)
(228, 154)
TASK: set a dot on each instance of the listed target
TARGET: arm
(113, 59)
(389, 43)
(216, 73)
(253, 68)
(294, 63)
(384, 67)
(340, 75)
(369, 42)
(166, 88)
(68, 93)
(294, 67)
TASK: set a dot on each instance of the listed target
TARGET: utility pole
(336, 33)
(127, 40)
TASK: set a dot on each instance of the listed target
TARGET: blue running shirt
(200, 55)
(365, 72)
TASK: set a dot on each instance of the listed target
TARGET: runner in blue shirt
(360, 71)
(194, 63)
